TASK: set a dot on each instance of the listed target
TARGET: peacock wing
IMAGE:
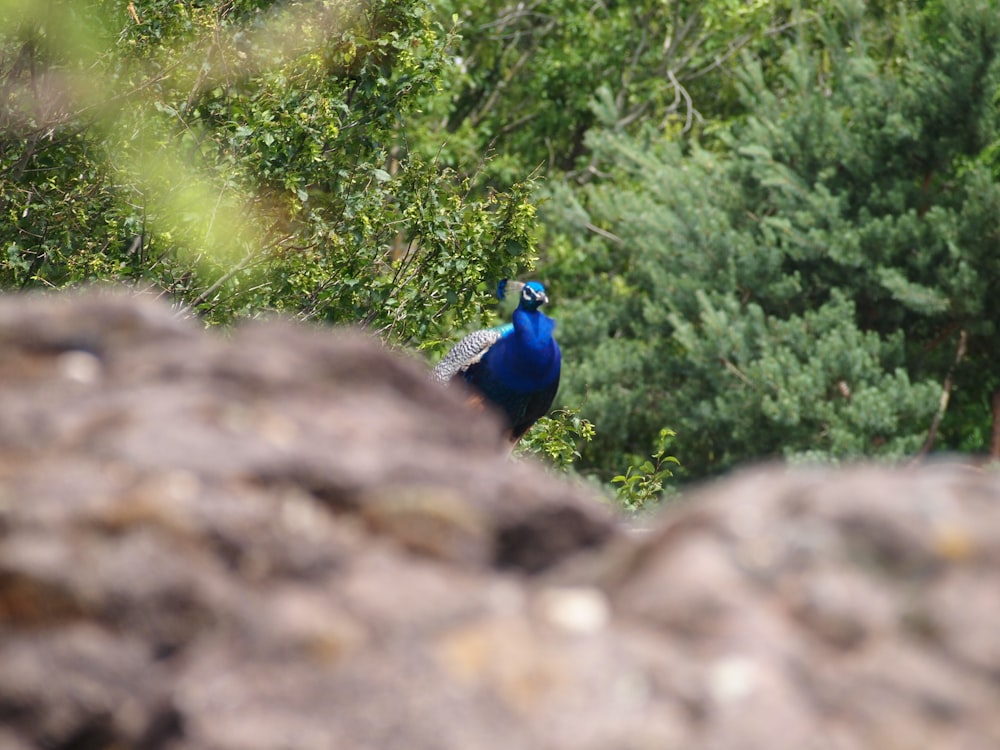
(468, 352)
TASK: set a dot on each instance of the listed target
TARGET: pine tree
(821, 281)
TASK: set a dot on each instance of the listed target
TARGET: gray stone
(286, 537)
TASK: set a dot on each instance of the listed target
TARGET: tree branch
(963, 340)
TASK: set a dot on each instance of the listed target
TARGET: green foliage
(556, 439)
(641, 485)
(246, 156)
(526, 75)
(799, 286)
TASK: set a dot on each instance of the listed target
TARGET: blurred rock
(284, 537)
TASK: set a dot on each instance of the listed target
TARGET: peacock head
(531, 295)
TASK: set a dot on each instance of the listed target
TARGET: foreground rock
(286, 538)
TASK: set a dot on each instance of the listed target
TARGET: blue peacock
(515, 367)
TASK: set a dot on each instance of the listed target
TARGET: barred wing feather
(468, 351)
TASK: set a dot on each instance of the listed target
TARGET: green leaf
(513, 248)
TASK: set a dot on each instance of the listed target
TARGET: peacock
(515, 367)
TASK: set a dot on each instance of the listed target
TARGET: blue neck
(533, 329)
(529, 357)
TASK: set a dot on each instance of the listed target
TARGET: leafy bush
(641, 486)
(556, 439)
(246, 156)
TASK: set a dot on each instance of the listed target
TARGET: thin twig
(237, 268)
(689, 105)
(604, 233)
(963, 340)
(728, 364)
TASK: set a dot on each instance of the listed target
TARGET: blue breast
(527, 357)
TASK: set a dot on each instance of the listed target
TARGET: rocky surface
(288, 538)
